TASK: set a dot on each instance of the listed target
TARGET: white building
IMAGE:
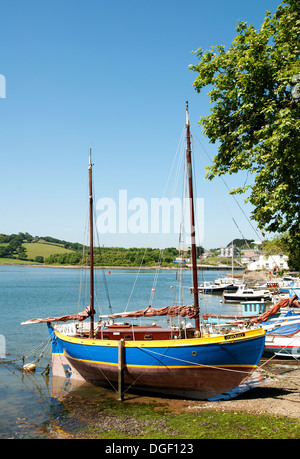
(227, 252)
(269, 263)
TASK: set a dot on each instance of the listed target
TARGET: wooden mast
(91, 249)
(192, 216)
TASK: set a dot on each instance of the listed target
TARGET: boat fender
(29, 368)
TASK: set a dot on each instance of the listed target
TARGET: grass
(15, 261)
(43, 249)
(158, 422)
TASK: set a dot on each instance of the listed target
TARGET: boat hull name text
(235, 335)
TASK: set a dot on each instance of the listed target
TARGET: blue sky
(113, 76)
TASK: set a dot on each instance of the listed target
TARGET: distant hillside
(24, 248)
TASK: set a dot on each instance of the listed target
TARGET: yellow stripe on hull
(162, 367)
(230, 337)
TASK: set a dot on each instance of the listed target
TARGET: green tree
(39, 259)
(14, 245)
(255, 114)
(21, 253)
(5, 252)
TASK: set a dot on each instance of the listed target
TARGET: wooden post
(121, 354)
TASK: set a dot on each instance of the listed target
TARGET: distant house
(248, 256)
(269, 263)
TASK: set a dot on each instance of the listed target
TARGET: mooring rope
(44, 346)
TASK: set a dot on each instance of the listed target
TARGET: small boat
(247, 294)
(218, 286)
(284, 340)
(287, 283)
(228, 281)
(250, 309)
(267, 285)
(285, 311)
(174, 361)
(208, 287)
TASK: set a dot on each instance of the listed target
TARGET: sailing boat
(182, 362)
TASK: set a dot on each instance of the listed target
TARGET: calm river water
(28, 409)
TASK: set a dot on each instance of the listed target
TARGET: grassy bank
(15, 261)
(110, 419)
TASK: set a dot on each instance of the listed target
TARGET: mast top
(90, 159)
(187, 113)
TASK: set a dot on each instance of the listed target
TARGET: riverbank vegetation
(24, 248)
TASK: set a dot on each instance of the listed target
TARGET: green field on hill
(28, 252)
(44, 249)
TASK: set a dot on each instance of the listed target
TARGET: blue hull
(198, 367)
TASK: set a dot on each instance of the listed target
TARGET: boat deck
(140, 333)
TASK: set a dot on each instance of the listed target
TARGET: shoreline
(276, 395)
(202, 267)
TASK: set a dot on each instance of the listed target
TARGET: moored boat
(182, 361)
(247, 294)
(209, 287)
(284, 340)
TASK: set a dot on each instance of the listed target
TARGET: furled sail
(79, 316)
(172, 311)
(283, 303)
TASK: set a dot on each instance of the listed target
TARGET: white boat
(228, 281)
(286, 316)
(218, 286)
(209, 287)
(287, 283)
(247, 294)
(284, 340)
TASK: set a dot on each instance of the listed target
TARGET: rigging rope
(236, 201)
(183, 360)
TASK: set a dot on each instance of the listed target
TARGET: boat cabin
(254, 307)
(130, 332)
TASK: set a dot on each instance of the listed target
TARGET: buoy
(171, 287)
(153, 290)
(108, 272)
(29, 368)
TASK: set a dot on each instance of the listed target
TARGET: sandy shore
(278, 394)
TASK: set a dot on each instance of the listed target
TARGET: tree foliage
(255, 114)
(117, 256)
